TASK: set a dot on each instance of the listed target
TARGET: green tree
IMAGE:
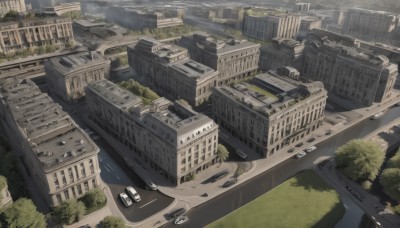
(112, 222)
(359, 160)
(23, 213)
(222, 153)
(394, 162)
(69, 211)
(94, 198)
(390, 181)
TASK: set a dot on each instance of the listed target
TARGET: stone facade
(233, 59)
(8, 5)
(62, 8)
(349, 72)
(5, 196)
(53, 149)
(371, 25)
(309, 23)
(175, 140)
(68, 76)
(272, 112)
(281, 52)
(168, 70)
(270, 24)
(301, 6)
(35, 32)
(140, 18)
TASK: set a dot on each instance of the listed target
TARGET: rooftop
(114, 94)
(87, 23)
(53, 136)
(193, 69)
(75, 62)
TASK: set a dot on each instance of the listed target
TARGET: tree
(3, 184)
(394, 162)
(112, 222)
(390, 181)
(69, 211)
(23, 213)
(359, 160)
(222, 153)
(94, 198)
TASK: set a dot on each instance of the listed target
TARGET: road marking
(119, 178)
(107, 169)
(148, 203)
(109, 166)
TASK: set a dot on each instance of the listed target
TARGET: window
(79, 189)
(64, 180)
(83, 170)
(86, 186)
(56, 183)
(59, 199)
(91, 166)
(66, 194)
(73, 192)
(94, 183)
(71, 175)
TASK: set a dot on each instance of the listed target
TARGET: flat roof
(53, 136)
(193, 69)
(75, 62)
(114, 94)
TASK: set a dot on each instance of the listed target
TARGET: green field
(302, 201)
(260, 91)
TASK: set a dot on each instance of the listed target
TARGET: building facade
(272, 112)
(171, 137)
(301, 6)
(141, 18)
(35, 32)
(14, 5)
(5, 196)
(169, 71)
(281, 52)
(68, 76)
(270, 24)
(371, 25)
(309, 23)
(63, 8)
(54, 150)
(349, 72)
(233, 59)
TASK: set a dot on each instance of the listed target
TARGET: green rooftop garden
(260, 91)
(147, 95)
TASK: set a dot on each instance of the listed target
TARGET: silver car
(125, 199)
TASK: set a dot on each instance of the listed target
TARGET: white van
(133, 194)
(241, 154)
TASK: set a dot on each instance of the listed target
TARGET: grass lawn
(302, 201)
(260, 91)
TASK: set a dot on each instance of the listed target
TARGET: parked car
(300, 154)
(219, 175)
(181, 220)
(229, 183)
(291, 150)
(151, 185)
(125, 199)
(311, 148)
(299, 144)
(311, 140)
(377, 115)
(176, 213)
(241, 154)
(133, 194)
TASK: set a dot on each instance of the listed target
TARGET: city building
(5, 196)
(301, 6)
(14, 5)
(63, 8)
(141, 18)
(55, 152)
(272, 112)
(308, 23)
(168, 70)
(267, 24)
(233, 59)
(86, 26)
(35, 32)
(371, 25)
(68, 76)
(281, 52)
(172, 138)
(350, 72)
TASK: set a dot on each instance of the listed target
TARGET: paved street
(251, 189)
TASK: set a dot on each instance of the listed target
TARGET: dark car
(299, 144)
(176, 213)
(219, 175)
(229, 183)
(291, 150)
(311, 140)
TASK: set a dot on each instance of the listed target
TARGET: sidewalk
(188, 194)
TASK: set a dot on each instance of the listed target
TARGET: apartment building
(172, 138)
(68, 76)
(12, 5)
(233, 59)
(55, 152)
(272, 112)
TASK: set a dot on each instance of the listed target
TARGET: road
(221, 205)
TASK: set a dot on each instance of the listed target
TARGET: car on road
(299, 144)
(300, 154)
(219, 175)
(133, 194)
(181, 220)
(229, 183)
(241, 154)
(176, 213)
(291, 150)
(310, 149)
(151, 185)
(85, 226)
(125, 199)
(377, 115)
(311, 140)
